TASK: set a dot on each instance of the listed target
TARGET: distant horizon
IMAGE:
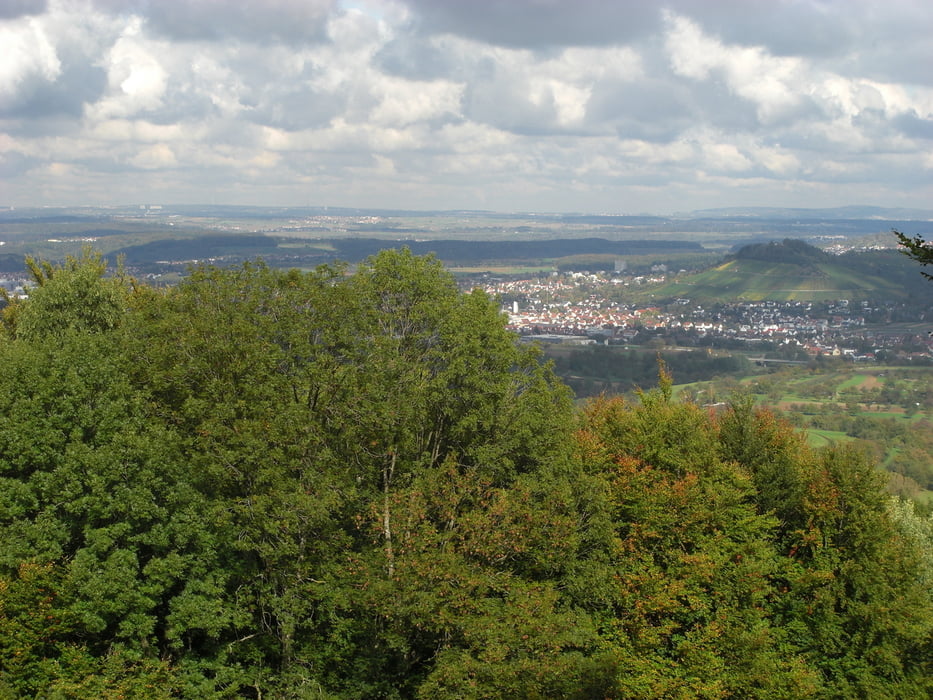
(734, 210)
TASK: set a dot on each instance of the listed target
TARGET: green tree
(917, 249)
(774, 455)
(44, 653)
(848, 592)
(686, 609)
(308, 406)
(77, 295)
(258, 372)
(93, 488)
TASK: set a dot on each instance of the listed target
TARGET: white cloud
(155, 157)
(138, 131)
(135, 75)
(776, 160)
(27, 54)
(404, 102)
(724, 157)
(771, 82)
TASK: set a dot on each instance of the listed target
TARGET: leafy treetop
(918, 249)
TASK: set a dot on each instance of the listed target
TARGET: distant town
(578, 308)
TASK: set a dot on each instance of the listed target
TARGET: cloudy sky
(620, 106)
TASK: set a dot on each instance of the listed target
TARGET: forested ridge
(268, 484)
(794, 252)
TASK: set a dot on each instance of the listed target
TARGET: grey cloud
(235, 133)
(661, 109)
(816, 141)
(894, 42)
(883, 41)
(898, 61)
(259, 94)
(661, 106)
(289, 21)
(651, 110)
(10, 9)
(180, 105)
(328, 163)
(784, 27)
(416, 60)
(878, 129)
(870, 118)
(914, 126)
(538, 23)
(529, 121)
(807, 143)
(500, 104)
(13, 164)
(116, 164)
(80, 82)
(849, 36)
(716, 105)
(295, 110)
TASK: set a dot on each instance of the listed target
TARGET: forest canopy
(271, 484)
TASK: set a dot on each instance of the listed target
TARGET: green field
(826, 438)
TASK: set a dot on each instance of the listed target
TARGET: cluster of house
(554, 310)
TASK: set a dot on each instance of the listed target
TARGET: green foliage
(614, 370)
(775, 457)
(918, 531)
(917, 249)
(311, 400)
(789, 251)
(849, 588)
(41, 652)
(321, 485)
(692, 561)
(73, 296)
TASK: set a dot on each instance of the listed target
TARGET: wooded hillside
(266, 484)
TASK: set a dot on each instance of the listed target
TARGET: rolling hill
(795, 271)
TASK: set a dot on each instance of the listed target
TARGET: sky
(600, 106)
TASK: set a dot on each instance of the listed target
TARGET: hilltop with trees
(793, 270)
(266, 483)
(788, 251)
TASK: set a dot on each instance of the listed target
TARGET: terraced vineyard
(757, 280)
